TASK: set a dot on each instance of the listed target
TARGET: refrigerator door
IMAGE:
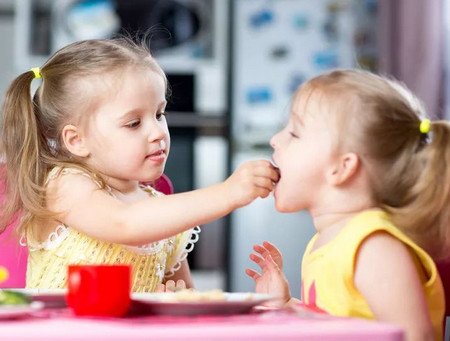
(278, 45)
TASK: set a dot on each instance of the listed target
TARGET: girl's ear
(343, 169)
(74, 142)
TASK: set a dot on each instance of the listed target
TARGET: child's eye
(294, 135)
(160, 115)
(133, 124)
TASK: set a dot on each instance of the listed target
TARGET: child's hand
(271, 280)
(269, 249)
(251, 180)
(171, 286)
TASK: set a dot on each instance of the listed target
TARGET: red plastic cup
(102, 290)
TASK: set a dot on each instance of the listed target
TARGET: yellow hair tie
(37, 72)
(425, 126)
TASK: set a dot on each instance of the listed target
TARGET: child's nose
(273, 143)
(157, 133)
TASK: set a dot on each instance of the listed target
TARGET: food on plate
(9, 297)
(189, 295)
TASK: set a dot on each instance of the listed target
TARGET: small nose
(157, 133)
(273, 142)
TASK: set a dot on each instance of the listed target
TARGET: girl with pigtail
(76, 155)
(360, 154)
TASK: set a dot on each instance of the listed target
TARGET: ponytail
(21, 142)
(425, 217)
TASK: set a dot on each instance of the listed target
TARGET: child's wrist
(225, 195)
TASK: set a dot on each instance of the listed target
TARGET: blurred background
(233, 66)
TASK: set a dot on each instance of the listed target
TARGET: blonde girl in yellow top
(360, 155)
(76, 153)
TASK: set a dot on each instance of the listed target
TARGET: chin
(281, 207)
(285, 206)
(151, 176)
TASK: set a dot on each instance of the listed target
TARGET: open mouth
(275, 166)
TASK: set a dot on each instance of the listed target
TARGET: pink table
(62, 325)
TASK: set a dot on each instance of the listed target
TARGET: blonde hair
(379, 119)
(31, 127)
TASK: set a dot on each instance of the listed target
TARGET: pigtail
(425, 217)
(20, 143)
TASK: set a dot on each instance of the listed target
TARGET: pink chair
(14, 257)
(444, 272)
(163, 184)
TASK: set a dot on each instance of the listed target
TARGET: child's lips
(159, 156)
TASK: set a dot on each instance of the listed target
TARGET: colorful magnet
(259, 95)
(261, 18)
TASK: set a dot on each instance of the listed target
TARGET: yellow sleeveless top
(327, 272)
(151, 263)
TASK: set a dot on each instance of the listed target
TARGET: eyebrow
(136, 111)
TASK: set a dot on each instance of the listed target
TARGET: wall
(7, 71)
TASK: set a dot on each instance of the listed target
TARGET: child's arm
(99, 215)
(387, 278)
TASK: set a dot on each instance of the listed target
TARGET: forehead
(121, 82)
(119, 91)
(308, 103)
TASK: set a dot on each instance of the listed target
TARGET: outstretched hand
(251, 180)
(271, 280)
(268, 248)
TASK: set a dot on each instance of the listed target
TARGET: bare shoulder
(387, 277)
(66, 188)
(382, 254)
(383, 242)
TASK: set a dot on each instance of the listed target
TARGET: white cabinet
(7, 48)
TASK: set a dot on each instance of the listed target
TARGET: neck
(122, 186)
(338, 209)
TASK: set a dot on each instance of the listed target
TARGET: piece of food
(9, 297)
(189, 295)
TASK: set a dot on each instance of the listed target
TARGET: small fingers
(270, 262)
(265, 263)
(253, 274)
(267, 249)
(261, 249)
(170, 286)
(266, 169)
(181, 284)
(269, 246)
(273, 250)
(264, 194)
(257, 259)
(160, 287)
(265, 183)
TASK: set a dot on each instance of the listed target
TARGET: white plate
(52, 298)
(163, 304)
(50, 292)
(14, 311)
